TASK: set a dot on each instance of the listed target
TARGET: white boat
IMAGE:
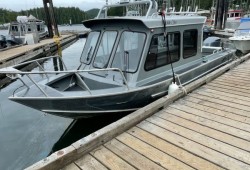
(241, 38)
(26, 25)
(127, 62)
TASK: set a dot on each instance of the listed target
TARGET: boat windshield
(129, 51)
(89, 47)
(105, 48)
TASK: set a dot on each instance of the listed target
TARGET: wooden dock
(223, 34)
(45, 47)
(207, 129)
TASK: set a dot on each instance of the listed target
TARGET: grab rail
(126, 4)
(15, 72)
(40, 59)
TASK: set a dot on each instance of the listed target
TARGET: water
(28, 135)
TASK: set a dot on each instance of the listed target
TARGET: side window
(158, 54)
(38, 28)
(14, 28)
(190, 43)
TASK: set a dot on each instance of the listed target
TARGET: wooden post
(53, 19)
(219, 14)
(226, 3)
(50, 16)
(49, 25)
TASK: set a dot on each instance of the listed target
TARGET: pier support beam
(50, 16)
(221, 14)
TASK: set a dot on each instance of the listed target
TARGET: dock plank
(213, 156)
(226, 94)
(224, 83)
(213, 117)
(218, 135)
(238, 81)
(173, 150)
(211, 124)
(244, 105)
(71, 166)
(154, 154)
(220, 100)
(217, 104)
(231, 88)
(109, 159)
(137, 160)
(88, 162)
(226, 90)
(12, 53)
(197, 104)
(204, 140)
(238, 76)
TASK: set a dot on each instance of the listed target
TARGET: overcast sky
(17, 5)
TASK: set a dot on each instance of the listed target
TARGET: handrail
(126, 4)
(41, 67)
(40, 59)
(18, 72)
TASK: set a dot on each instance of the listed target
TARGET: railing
(105, 7)
(16, 74)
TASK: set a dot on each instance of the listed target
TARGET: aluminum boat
(128, 61)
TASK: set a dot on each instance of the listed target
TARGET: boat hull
(84, 107)
(122, 101)
(242, 44)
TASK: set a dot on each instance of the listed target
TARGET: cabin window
(14, 28)
(38, 28)
(237, 14)
(105, 48)
(29, 28)
(129, 51)
(158, 54)
(190, 43)
(89, 47)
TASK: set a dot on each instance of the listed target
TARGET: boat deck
(207, 129)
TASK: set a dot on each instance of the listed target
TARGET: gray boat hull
(123, 101)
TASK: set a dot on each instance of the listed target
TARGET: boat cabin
(25, 25)
(141, 46)
(234, 14)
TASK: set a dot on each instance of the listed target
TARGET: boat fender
(172, 88)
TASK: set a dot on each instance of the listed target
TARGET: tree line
(63, 15)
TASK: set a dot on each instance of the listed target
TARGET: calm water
(28, 135)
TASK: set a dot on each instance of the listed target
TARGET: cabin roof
(150, 22)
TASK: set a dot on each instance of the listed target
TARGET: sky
(17, 5)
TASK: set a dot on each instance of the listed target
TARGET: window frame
(167, 63)
(99, 43)
(88, 63)
(143, 47)
(196, 43)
